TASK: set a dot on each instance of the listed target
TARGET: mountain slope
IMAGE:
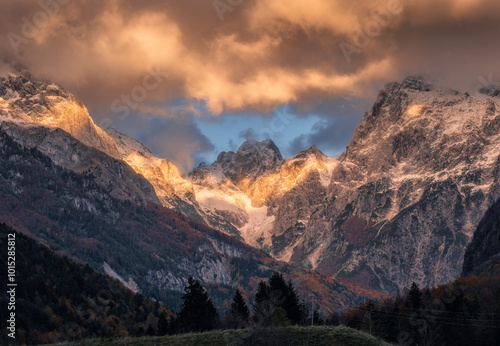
(485, 245)
(60, 300)
(48, 104)
(419, 172)
(399, 205)
(249, 199)
(39, 107)
(90, 217)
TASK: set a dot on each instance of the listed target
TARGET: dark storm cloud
(329, 135)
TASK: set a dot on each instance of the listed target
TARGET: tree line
(276, 304)
(463, 312)
(61, 300)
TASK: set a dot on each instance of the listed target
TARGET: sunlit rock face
(161, 173)
(408, 192)
(50, 105)
(42, 116)
(258, 198)
(40, 106)
(399, 205)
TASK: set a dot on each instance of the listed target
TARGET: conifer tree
(198, 313)
(239, 311)
(292, 305)
(285, 296)
(263, 307)
(415, 297)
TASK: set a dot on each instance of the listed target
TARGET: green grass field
(281, 336)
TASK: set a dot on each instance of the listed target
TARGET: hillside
(108, 224)
(401, 203)
(463, 312)
(484, 249)
(421, 168)
(58, 299)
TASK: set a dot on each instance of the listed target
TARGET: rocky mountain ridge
(399, 205)
(107, 212)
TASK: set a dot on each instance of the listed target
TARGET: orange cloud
(263, 54)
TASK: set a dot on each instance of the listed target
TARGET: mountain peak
(251, 160)
(312, 151)
(29, 93)
(410, 83)
(266, 148)
(41, 102)
(418, 83)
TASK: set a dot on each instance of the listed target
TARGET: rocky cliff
(399, 205)
(108, 209)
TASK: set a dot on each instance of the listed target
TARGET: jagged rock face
(150, 248)
(39, 107)
(49, 104)
(485, 245)
(407, 194)
(172, 189)
(161, 173)
(252, 160)
(252, 204)
(399, 205)
(114, 176)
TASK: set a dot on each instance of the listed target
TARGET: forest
(62, 300)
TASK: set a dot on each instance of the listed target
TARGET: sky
(192, 78)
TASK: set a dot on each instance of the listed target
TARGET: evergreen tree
(263, 306)
(285, 296)
(279, 290)
(239, 311)
(198, 313)
(413, 303)
(292, 305)
(414, 297)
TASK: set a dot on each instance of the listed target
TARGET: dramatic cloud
(248, 55)
(262, 54)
